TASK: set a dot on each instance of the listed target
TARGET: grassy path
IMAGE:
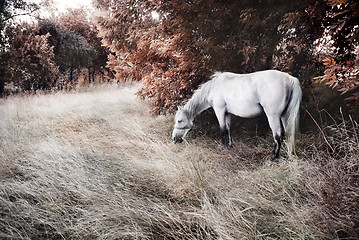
(96, 165)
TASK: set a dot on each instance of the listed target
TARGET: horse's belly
(245, 110)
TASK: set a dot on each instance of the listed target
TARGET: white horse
(275, 93)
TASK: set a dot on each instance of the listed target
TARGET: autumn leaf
(329, 62)
(332, 80)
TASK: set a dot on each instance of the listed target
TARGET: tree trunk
(2, 88)
(71, 73)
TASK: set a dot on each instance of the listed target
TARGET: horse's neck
(196, 105)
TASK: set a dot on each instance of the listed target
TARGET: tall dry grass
(334, 185)
(96, 165)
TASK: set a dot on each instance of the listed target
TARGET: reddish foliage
(168, 63)
(332, 28)
(174, 54)
(29, 65)
(343, 76)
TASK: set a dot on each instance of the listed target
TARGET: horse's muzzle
(177, 140)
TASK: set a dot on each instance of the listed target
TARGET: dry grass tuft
(96, 165)
(334, 186)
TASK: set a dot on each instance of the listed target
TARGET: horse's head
(183, 123)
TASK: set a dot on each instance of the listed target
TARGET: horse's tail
(291, 116)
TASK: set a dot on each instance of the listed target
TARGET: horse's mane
(215, 75)
(200, 95)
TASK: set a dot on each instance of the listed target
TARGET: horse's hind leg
(277, 130)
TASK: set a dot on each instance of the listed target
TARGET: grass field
(97, 165)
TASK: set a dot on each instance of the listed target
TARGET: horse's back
(265, 82)
(247, 95)
(248, 78)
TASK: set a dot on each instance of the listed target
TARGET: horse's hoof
(274, 157)
(228, 145)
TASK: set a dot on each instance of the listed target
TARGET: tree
(72, 51)
(33, 55)
(29, 61)
(9, 10)
(342, 71)
(174, 54)
(79, 22)
(330, 29)
(146, 49)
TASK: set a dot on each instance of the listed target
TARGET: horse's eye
(179, 121)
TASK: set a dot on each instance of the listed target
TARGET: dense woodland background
(173, 46)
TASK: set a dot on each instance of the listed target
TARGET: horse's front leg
(224, 120)
(228, 127)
